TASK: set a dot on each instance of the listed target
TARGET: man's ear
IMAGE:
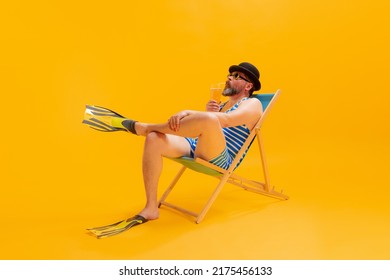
(248, 86)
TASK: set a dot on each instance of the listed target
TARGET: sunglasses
(237, 76)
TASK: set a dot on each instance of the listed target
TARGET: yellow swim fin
(119, 227)
(106, 120)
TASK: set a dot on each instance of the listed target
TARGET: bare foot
(149, 214)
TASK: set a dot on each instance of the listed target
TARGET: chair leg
(171, 185)
(267, 185)
(217, 190)
(254, 186)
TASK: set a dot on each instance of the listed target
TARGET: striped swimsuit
(235, 137)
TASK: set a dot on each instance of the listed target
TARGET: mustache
(227, 85)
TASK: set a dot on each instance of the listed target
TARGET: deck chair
(228, 175)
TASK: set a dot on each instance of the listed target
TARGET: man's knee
(154, 138)
(209, 120)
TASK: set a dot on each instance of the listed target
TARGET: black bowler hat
(250, 71)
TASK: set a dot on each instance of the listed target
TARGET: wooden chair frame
(228, 176)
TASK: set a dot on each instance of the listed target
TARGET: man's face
(235, 84)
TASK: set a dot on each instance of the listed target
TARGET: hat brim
(249, 74)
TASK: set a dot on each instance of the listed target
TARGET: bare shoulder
(252, 104)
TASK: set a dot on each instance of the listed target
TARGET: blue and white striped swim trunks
(223, 160)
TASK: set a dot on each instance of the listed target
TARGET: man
(215, 135)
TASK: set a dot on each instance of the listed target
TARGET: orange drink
(216, 91)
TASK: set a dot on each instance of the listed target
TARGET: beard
(229, 91)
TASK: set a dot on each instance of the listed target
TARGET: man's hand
(212, 106)
(174, 121)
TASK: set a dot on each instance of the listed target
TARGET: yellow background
(327, 138)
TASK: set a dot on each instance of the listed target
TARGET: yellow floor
(327, 138)
(337, 211)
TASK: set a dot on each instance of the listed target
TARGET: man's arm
(247, 113)
(174, 121)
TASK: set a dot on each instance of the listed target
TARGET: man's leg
(205, 126)
(156, 146)
(160, 142)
